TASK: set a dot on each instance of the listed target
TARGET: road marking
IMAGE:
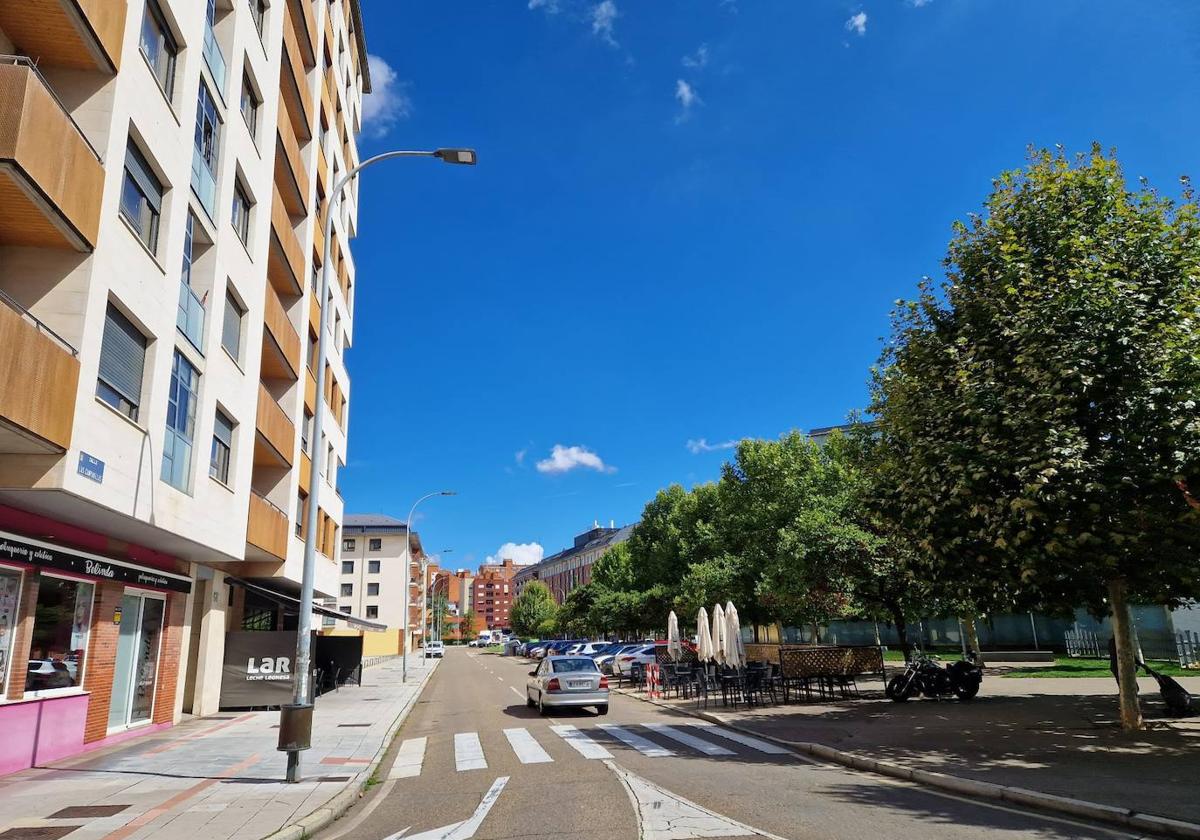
(582, 744)
(409, 759)
(746, 740)
(645, 747)
(519, 694)
(528, 750)
(464, 830)
(706, 747)
(468, 752)
(500, 678)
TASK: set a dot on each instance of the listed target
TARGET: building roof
(605, 537)
(363, 522)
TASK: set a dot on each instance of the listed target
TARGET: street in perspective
(624, 419)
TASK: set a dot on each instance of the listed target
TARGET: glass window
(373, 567)
(122, 360)
(208, 128)
(61, 623)
(241, 213)
(10, 600)
(347, 567)
(372, 588)
(347, 590)
(141, 196)
(222, 446)
(372, 611)
(305, 435)
(258, 10)
(231, 327)
(348, 545)
(249, 105)
(376, 544)
(181, 423)
(158, 46)
(344, 610)
(300, 515)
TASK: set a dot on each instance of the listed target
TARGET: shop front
(89, 649)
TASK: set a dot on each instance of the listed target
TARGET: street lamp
(407, 570)
(425, 597)
(302, 682)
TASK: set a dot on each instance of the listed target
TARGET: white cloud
(857, 23)
(388, 101)
(697, 60)
(702, 445)
(604, 16)
(551, 6)
(566, 458)
(916, 4)
(523, 554)
(688, 98)
(519, 456)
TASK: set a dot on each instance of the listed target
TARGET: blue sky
(689, 222)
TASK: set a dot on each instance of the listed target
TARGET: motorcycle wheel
(896, 691)
(966, 691)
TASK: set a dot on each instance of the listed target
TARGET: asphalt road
(453, 773)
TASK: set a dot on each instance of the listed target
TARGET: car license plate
(580, 683)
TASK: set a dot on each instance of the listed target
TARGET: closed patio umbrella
(718, 634)
(704, 644)
(735, 648)
(674, 645)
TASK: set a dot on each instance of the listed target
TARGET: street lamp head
(448, 493)
(464, 157)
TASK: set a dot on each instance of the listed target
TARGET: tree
(468, 625)
(533, 611)
(574, 617)
(1039, 406)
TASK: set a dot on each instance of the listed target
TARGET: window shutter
(122, 356)
(231, 332)
(223, 430)
(147, 182)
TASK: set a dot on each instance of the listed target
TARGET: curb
(1112, 815)
(342, 802)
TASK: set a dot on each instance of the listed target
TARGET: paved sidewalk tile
(219, 777)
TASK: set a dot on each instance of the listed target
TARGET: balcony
(293, 83)
(80, 34)
(281, 344)
(290, 175)
(305, 466)
(267, 527)
(314, 314)
(275, 443)
(285, 263)
(215, 59)
(190, 317)
(300, 18)
(39, 376)
(51, 179)
(310, 390)
(204, 184)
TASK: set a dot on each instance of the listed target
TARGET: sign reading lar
(53, 557)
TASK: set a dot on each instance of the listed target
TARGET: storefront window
(60, 631)
(10, 594)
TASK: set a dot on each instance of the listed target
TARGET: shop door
(135, 673)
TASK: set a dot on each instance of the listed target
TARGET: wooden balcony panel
(310, 391)
(305, 466)
(322, 172)
(39, 377)
(293, 83)
(51, 180)
(276, 431)
(80, 34)
(329, 37)
(291, 177)
(314, 314)
(281, 356)
(267, 527)
(285, 263)
(299, 16)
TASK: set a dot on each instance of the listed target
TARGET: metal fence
(1187, 645)
(1083, 644)
(1183, 648)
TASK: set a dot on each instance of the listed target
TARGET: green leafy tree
(533, 611)
(576, 612)
(1040, 405)
(468, 625)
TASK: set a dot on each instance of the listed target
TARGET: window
(344, 610)
(372, 611)
(306, 435)
(208, 128)
(241, 213)
(313, 348)
(10, 599)
(141, 196)
(300, 516)
(376, 544)
(348, 545)
(372, 567)
(347, 590)
(159, 46)
(249, 105)
(330, 465)
(122, 360)
(61, 622)
(231, 326)
(181, 423)
(347, 567)
(222, 446)
(373, 589)
(258, 11)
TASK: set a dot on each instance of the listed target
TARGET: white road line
(745, 740)
(699, 744)
(500, 678)
(409, 759)
(463, 830)
(645, 747)
(528, 750)
(468, 752)
(514, 691)
(582, 744)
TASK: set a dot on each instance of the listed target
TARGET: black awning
(289, 601)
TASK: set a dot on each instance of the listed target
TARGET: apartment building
(492, 595)
(372, 582)
(164, 171)
(455, 589)
(572, 567)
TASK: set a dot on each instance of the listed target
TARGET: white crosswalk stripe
(468, 752)
(409, 759)
(698, 744)
(745, 740)
(642, 745)
(528, 750)
(581, 743)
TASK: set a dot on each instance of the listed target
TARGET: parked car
(537, 651)
(434, 649)
(642, 654)
(567, 681)
(603, 657)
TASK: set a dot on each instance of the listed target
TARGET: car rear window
(569, 665)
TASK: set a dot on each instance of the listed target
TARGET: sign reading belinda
(37, 553)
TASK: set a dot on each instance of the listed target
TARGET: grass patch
(1065, 666)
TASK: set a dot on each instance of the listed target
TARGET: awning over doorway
(293, 604)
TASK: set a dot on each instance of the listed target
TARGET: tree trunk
(973, 638)
(779, 632)
(901, 629)
(1122, 622)
(816, 628)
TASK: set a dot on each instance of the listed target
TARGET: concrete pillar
(210, 646)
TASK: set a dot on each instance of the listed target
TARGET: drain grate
(351, 725)
(40, 832)
(332, 779)
(76, 812)
(221, 717)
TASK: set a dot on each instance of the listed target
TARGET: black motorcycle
(925, 676)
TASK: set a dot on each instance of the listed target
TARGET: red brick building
(493, 595)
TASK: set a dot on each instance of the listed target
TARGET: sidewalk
(1052, 735)
(220, 777)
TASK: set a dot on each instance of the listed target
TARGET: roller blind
(122, 356)
(139, 170)
(223, 430)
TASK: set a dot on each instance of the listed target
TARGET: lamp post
(425, 597)
(407, 570)
(296, 720)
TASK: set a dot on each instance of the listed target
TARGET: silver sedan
(562, 681)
